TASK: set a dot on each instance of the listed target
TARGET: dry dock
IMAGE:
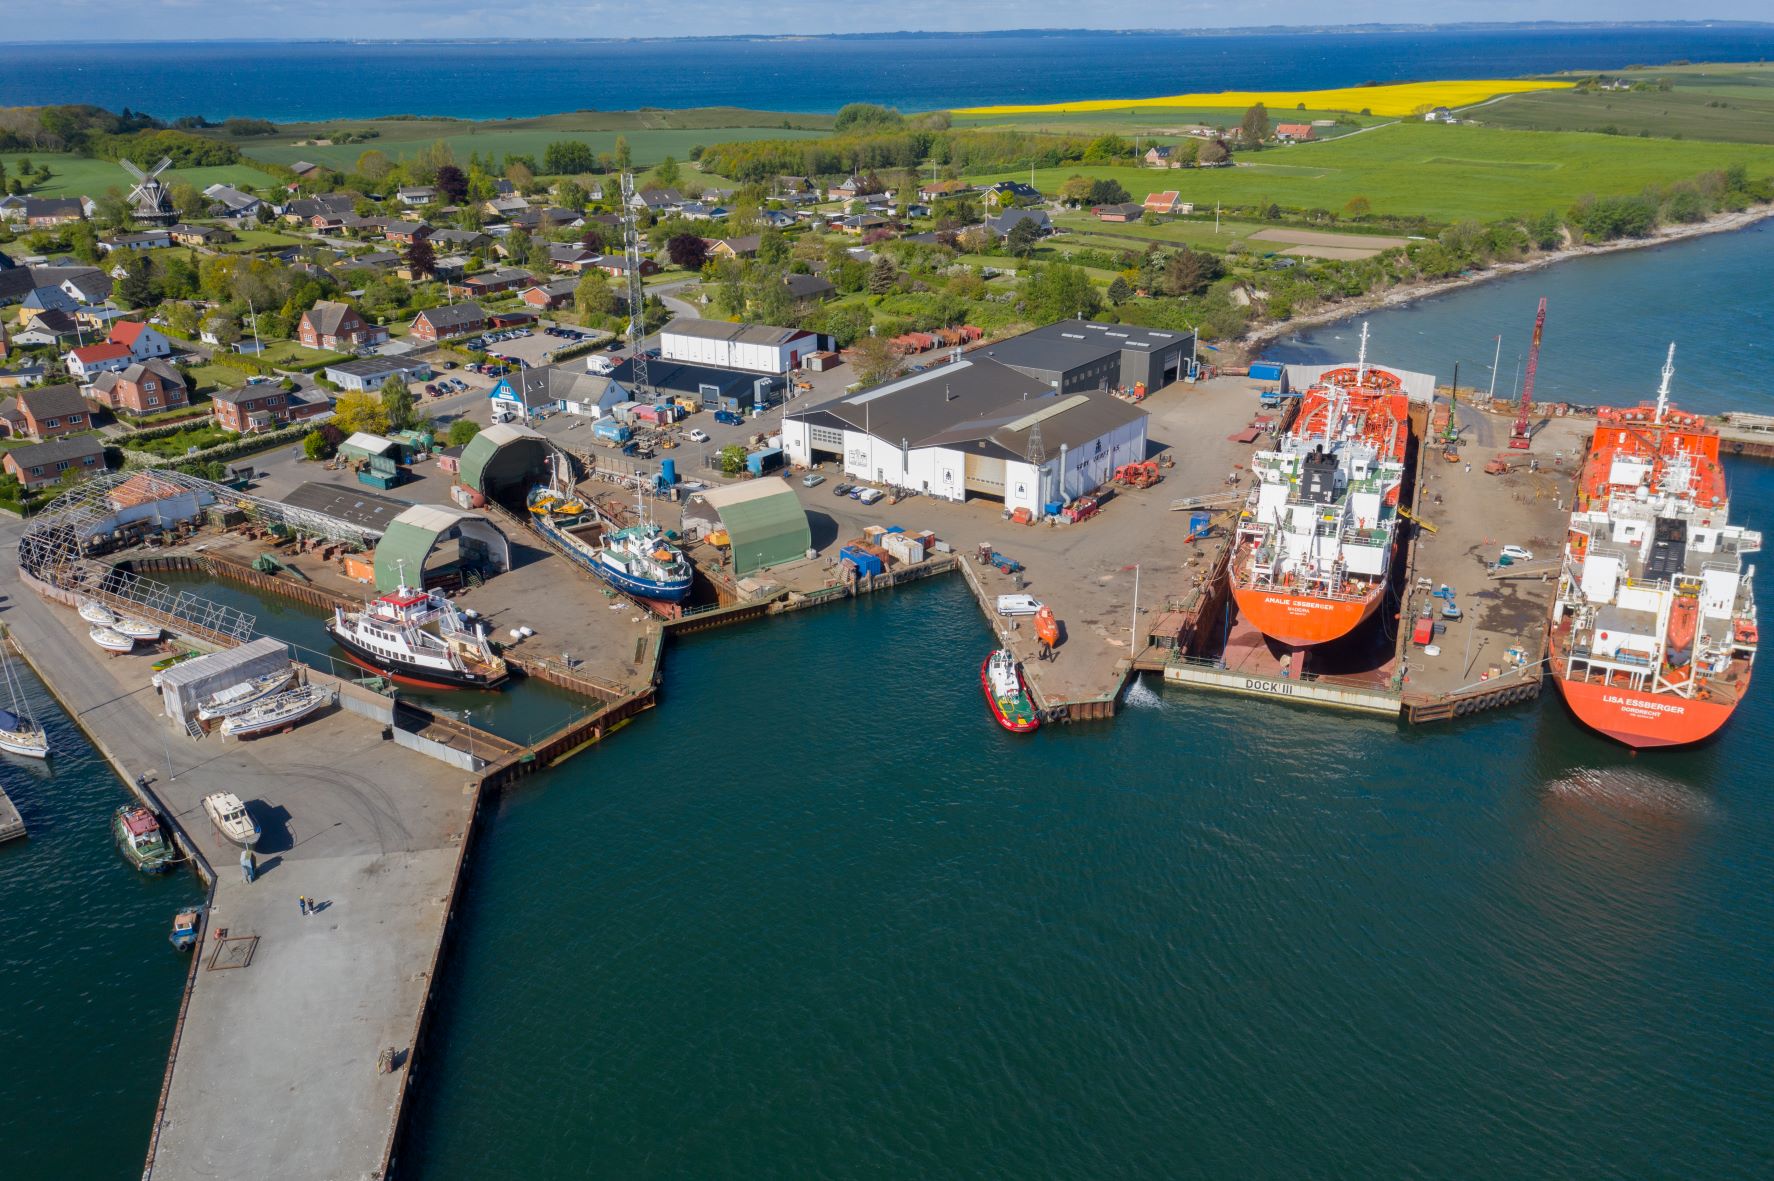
(274, 1069)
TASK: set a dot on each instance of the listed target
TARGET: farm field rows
(1444, 173)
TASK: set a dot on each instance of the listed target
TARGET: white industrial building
(757, 348)
(972, 428)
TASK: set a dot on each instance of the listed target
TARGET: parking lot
(533, 345)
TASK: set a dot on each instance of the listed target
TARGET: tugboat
(231, 818)
(1005, 692)
(138, 836)
(419, 638)
(637, 560)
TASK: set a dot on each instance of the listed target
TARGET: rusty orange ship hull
(1642, 720)
(1300, 621)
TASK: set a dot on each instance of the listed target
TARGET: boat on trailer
(244, 695)
(276, 713)
(231, 818)
(136, 629)
(1002, 681)
(96, 613)
(111, 641)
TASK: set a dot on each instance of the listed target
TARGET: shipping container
(361, 567)
(904, 547)
(759, 462)
(611, 430)
(1265, 370)
(867, 564)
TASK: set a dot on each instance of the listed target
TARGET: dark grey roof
(722, 330)
(454, 315)
(807, 286)
(1070, 344)
(56, 450)
(1006, 221)
(974, 402)
(53, 207)
(53, 401)
(347, 504)
(678, 378)
(373, 367)
(557, 383)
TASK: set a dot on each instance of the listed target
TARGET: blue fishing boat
(636, 559)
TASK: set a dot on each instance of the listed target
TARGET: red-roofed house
(1293, 133)
(330, 324)
(1169, 201)
(144, 341)
(87, 363)
(146, 387)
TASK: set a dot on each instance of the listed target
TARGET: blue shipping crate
(1265, 370)
(1197, 523)
(866, 563)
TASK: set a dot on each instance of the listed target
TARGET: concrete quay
(274, 1071)
(12, 825)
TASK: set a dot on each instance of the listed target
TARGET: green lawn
(1726, 103)
(178, 444)
(80, 176)
(1441, 172)
(1084, 230)
(215, 376)
(260, 240)
(287, 354)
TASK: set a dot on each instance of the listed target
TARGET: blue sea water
(1609, 320)
(323, 80)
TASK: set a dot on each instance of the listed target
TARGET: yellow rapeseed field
(1411, 98)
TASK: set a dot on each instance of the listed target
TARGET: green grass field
(1156, 124)
(652, 135)
(248, 240)
(79, 175)
(1084, 230)
(1444, 173)
(1727, 103)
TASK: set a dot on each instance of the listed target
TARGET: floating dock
(12, 825)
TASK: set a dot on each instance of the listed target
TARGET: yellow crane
(1408, 515)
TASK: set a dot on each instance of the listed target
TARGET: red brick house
(546, 297)
(255, 408)
(45, 463)
(338, 327)
(1293, 132)
(407, 232)
(46, 412)
(147, 387)
(491, 282)
(457, 319)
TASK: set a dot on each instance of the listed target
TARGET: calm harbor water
(817, 916)
(1609, 320)
(916, 72)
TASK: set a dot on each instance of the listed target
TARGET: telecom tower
(631, 251)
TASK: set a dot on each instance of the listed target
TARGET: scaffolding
(62, 544)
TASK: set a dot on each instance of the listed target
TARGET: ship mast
(1663, 389)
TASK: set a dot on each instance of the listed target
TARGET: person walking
(302, 901)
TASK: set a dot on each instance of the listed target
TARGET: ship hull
(1017, 723)
(1643, 720)
(409, 674)
(1300, 621)
(586, 558)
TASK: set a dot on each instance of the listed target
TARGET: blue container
(1265, 370)
(1052, 508)
(1197, 523)
(609, 428)
(865, 562)
(896, 528)
(668, 472)
(759, 462)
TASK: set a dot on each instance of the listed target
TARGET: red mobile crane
(1521, 435)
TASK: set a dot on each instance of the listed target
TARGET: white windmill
(150, 201)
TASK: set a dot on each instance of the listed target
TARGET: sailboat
(19, 732)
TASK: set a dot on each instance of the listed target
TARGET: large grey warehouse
(1073, 356)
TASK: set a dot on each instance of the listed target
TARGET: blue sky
(178, 20)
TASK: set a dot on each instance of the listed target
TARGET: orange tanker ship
(1316, 538)
(1654, 625)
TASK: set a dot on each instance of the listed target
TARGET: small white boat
(135, 629)
(245, 695)
(111, 641)
(274, 713)
(96, 613)
(231, 818)
(22, 736)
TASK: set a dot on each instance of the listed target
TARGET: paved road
(275, 1075)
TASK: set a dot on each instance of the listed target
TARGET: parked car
(1017, 605)
(842, 489)
(431, 391)
(812, 480)
(870, 495)
(696, 435)
(728, 418)
(449, 364)
(1516, 553)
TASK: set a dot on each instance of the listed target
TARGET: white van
(599, 364)
(1017, 605)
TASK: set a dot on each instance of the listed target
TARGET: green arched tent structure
(763, 518)
(504, 462)
(412, 537)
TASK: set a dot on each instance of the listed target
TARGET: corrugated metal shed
(184, 686)
(763, 518)
(411, 537)
(504, 460)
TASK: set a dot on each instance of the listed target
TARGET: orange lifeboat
(1046, 628)
(1684, 613)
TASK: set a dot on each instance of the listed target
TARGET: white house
(754, 347)
(144, 341)
(972, 429)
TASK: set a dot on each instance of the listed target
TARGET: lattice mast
(637, 321)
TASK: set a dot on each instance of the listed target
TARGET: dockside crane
(1521, 435)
